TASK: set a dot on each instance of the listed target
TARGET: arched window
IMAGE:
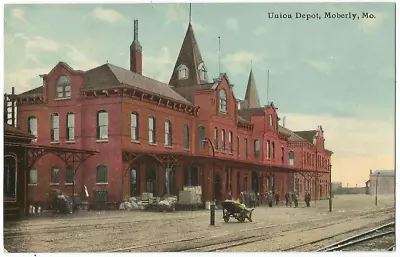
(69, 176)
(55, 128)
(102, 125)
(237, 146)
(291, 158)
(63, 87)
(246, 148)
(186, 136)
(271, 122)
(273, 150)
(32, 125)
(172, 187)
(10, 177)
(201, 136)
(183, 72)
(134, 126)
(168, 133)
(101, 174)
(70, 126)
(222, 100)
(54, 175)
(216, 139)
(268, 150)
(33, 177)
(202, 72)
(230, 141)
(256, 148)
(223, 140)
(152, 130)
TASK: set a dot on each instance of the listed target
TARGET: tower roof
(251, 99)
(189, 56)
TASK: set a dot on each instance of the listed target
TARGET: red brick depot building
(148, 132)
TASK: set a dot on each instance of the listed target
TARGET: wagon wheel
(241, 217)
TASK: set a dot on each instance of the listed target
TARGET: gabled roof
(189, 56)
(292, 135)
(247, 113)
(308, 135)
(109, 76)
(38, 91)
(251, 99)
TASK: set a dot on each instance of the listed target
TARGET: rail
(357, 239)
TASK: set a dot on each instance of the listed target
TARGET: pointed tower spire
(251, 99)
(189, 68)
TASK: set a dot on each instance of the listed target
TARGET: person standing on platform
(287, 198)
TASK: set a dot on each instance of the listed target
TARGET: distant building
(336, 186)
(386, 182)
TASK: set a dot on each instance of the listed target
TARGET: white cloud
(78, 59)
(359, 143)
(19, 14)
(23, 79)
(37, 43)
(175, 12)
(322, 66)
(158, 64)
(239, 62)
(259, 31)
(107, 15)
(232, 24)
(368, 25)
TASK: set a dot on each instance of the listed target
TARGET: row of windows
(55, 126)
(309, 159)
(101, 175)
(183, 72)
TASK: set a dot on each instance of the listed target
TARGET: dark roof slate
(109, 76)
(188, 92)
(35, 92)
(251, 99)
(307, 134)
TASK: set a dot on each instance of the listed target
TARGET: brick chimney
(136, 51)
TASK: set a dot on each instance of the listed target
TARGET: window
(186, 136)
(223, 140)
(246, 149)
(152, 130)
(291, 158)
(134, 126)
(201, 136)
(102, 125)
(33, 177)
(273, 150)
(183, 72)
(268, 150)
(54, 175)
(222, 100)
(256, 148)
(69, 176)
(237, 146)
(282, 154)
(70, 126)
(271, 122)
(230, 141)
(32, 125)
(168, 132)
(10, 176)
(216, 139)
(101, 174)
(63, 87)
(55, 129)
(202, 72)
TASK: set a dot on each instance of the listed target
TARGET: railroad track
(379, 232)
(205, 243)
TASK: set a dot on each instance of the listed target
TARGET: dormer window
(63, 87)
(202, 72)
(222, 100)
(183, 72)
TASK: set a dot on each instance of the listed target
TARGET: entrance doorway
(151, 179)
(134, 181)
(217, 187)
(254, 182)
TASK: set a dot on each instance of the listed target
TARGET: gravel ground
(134, 231)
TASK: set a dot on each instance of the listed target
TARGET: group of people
(252, 199)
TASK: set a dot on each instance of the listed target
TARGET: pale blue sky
(336, 73)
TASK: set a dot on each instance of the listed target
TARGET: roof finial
(190, 12)
(251, 64)
(267, 87)
(219, 55)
